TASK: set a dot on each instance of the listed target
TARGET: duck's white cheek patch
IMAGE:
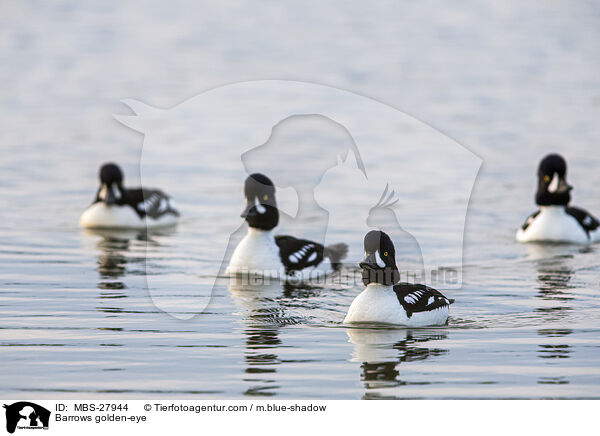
(380, 261)
(259, 207)
(102, 193)
(553, 186)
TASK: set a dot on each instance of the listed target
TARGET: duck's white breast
(257, 253)
(376, 304)
(553, 224)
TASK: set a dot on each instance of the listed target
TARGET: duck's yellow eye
(385, 254)
(546, 179)
(266, 197)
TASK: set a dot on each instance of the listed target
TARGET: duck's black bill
(369, 262)
(110, 197)
(373, 273)
(563, 186)
(249, 212)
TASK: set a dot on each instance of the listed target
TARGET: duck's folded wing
(585, 219)
(297, 254)
(419, 298)
(151, 202)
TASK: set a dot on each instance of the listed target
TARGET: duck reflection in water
(381, 350)
(554, 273)
(554, 350)
(117, 258)
(259, 299)
(270, 301)
(261, 359)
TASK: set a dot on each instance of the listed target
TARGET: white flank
(101, 216)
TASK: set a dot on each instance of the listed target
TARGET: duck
(556, 221)
(263, 253)
(115, 207)
(386, 300)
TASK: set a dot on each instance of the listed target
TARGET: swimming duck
(119, 208)
(387, 301)
(556, 221)
(262, 252)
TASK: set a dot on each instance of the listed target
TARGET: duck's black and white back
(262, 252)
(556, 221)
(117, 207)
(387, 301)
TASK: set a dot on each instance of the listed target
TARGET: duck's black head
(261, 208)
(111, 184)
(553, 189)
(379, 264)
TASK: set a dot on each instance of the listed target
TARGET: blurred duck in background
(556, 221)
(116, 207)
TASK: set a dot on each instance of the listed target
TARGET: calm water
(510, 82)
